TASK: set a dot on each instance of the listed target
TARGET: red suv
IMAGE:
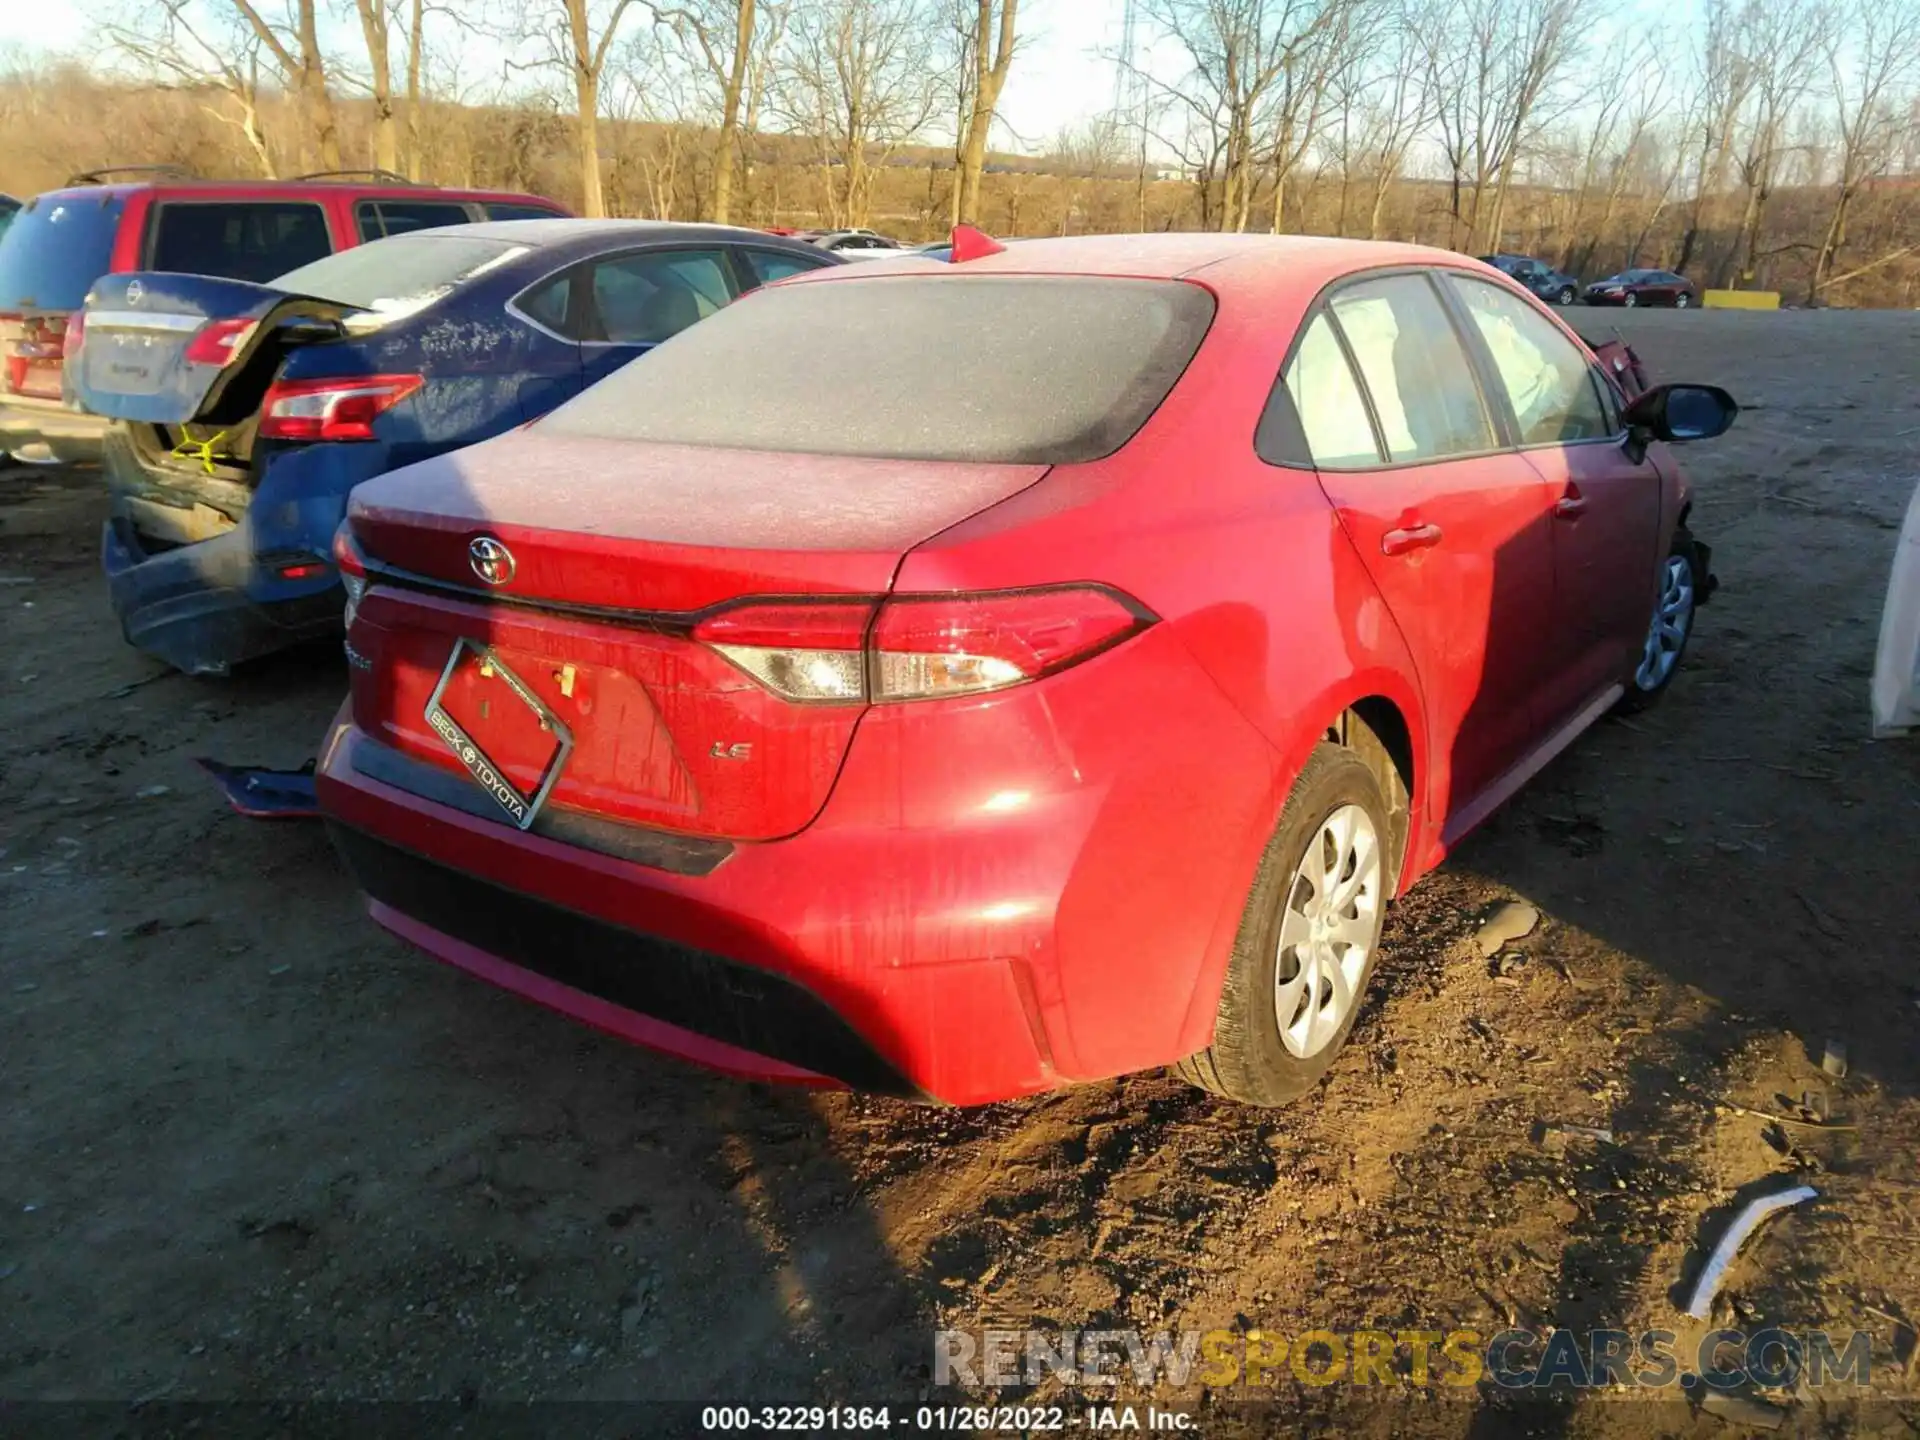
(61, 242)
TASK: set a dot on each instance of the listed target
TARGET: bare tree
(1235, 53)
(858, 81)
(1496, 64)
(720, 35)
(566, 28)
(1873, 52)
(991, 42)
(375, 22)
(1782, 41)
(166, 40)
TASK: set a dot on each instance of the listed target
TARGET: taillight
(926, 646)
(218, 341)
(920, 647)
(802, 651)
(340, 409)
(353, 569)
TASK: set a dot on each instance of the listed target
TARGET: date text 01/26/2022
(950, 1419)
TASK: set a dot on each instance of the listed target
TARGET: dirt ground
(253, 1149)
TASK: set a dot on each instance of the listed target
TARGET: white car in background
(859, 244)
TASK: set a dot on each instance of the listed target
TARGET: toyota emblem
(491, 560)
(134, 291)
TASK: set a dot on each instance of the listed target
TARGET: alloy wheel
(1328, 932)
(1672, 622)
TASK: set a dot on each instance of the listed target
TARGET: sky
(1057, 80)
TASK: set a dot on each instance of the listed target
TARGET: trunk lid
(601, 556)
(165, 349)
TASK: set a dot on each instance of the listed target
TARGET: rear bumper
(43, 430)
(194, 607)
(996, 899)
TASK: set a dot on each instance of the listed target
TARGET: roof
(175, 185)
(1227, 258)
(561, 229)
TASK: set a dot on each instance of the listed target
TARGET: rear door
(1605, 505)
(1451, 525)
(633, 301)
(551, 309)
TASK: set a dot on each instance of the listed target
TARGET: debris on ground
(1700, 1306)
(1511, 920)
(1834, 1061)
(263, 794)
(1554, 1137)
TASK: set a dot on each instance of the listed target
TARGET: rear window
(54, 250)
(402, 273)
(1008, 369)
(241, 240)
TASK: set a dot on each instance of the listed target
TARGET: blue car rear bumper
(210, 604)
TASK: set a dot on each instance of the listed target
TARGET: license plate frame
(520, 808)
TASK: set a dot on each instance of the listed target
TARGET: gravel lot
(253, 1149)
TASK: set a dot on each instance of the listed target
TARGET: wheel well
(1375, 731)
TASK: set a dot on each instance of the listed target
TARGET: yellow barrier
(1740, 299)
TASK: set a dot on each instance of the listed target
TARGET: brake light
(334, 409)
(802, 651)
(352, 567)
(218, 341)
(920, 647)
(926, 646)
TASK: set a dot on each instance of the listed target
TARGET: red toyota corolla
(1053, 676)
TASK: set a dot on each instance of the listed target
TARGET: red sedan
(1054, 677)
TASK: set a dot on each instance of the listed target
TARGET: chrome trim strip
(143, 320)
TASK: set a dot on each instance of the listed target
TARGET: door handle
(1414, 537)
(1569, 507)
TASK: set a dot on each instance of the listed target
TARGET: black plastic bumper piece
(707, 994)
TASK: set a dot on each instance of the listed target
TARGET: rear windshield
(55, 249)
(397, 274)
(1014, 369)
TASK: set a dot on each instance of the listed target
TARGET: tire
(1681, 586)
(1630, 300)
(1250, 1060)
(1565, 297)
(1682, 301)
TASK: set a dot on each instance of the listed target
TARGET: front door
(1605, 506)
(1451, 526)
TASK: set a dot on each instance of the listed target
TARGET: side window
(1333, 414)
(771, 265)
(646, 298)
(1548, 381)
(1414, 367)
(548, 302)
(519, 212)
(380, 218)
(245, 240)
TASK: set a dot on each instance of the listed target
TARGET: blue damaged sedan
(245, 413)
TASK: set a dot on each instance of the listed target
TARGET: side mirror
(1679, 412)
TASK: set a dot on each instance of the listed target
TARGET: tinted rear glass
(403, 271)
(519, 212)
(238, 240)
(1013, 369)
(55, 249)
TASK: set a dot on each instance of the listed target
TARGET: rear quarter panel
(1251, 573)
